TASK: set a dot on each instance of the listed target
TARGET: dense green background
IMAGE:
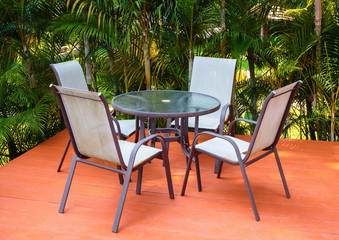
(127, 45)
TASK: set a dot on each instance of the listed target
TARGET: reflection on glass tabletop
(165, 103)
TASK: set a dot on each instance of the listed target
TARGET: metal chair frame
(243, 162)
(122, 169)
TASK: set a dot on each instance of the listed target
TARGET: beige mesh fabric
(127, 126)
(272, 119)
(70, 75)
(90, 125)
(223, 148)
(215, 77)
(143, 153)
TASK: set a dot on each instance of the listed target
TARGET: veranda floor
(31, 190)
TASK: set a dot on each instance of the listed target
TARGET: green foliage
(125, 35)
(28, 116)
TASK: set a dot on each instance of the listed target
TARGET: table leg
(184, 133)
(137, 128)
(196, 126)
(142, 127)
(151, 128)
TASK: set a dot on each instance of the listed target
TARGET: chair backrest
(272, 118)
(89, 124)
(215, 77)
(69, 74)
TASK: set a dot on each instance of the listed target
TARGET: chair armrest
(117, 126)
(223, 119)
(144, 142)
(238, 120)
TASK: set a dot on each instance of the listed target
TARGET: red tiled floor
(31, 190)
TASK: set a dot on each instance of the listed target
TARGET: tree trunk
(146, 48)
(317, 30)
(264, 31)
(125, 78)
(191, 47)
(88, 62)
(190, 67)
(223, 28)
(29, 66)
(111, 63)
(250, 58)
(147, 63)
(311, 124)
(332, 123)
(95, 85)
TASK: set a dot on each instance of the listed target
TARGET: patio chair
(70, 74)
(215, 77)
(89, 124)
(235, 151)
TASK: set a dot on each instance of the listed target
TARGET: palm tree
(292, 55)
(27, 115)
(195, 21)
(20, 31)
(143, 19)
(244, 21)
(328, 81)
(27, 107)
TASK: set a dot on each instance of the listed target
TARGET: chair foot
(188, 168)
(216, 166)
(220, 168)
(250, 194)
(283, 179)
(121, 201)
(68, 184)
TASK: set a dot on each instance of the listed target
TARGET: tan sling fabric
(96, 141)
(272, 119)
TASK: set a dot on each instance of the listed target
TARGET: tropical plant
(27, 107)
(127, 45)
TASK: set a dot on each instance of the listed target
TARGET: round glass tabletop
(165, 103)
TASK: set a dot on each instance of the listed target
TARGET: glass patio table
(166, 104)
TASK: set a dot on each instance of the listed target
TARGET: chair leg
(197, 169)
(140, 171)
(168, 177)
(68, 184)
(137, 129)
(122, 200)
(188, 168)
(216, 166)
(281, 173)
(249, 191)
(121, 178)
(220, 168)
(64, 155)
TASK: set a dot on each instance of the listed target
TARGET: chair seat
(205, 122)
(223, 148)
(127, 126)
(143, 154)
